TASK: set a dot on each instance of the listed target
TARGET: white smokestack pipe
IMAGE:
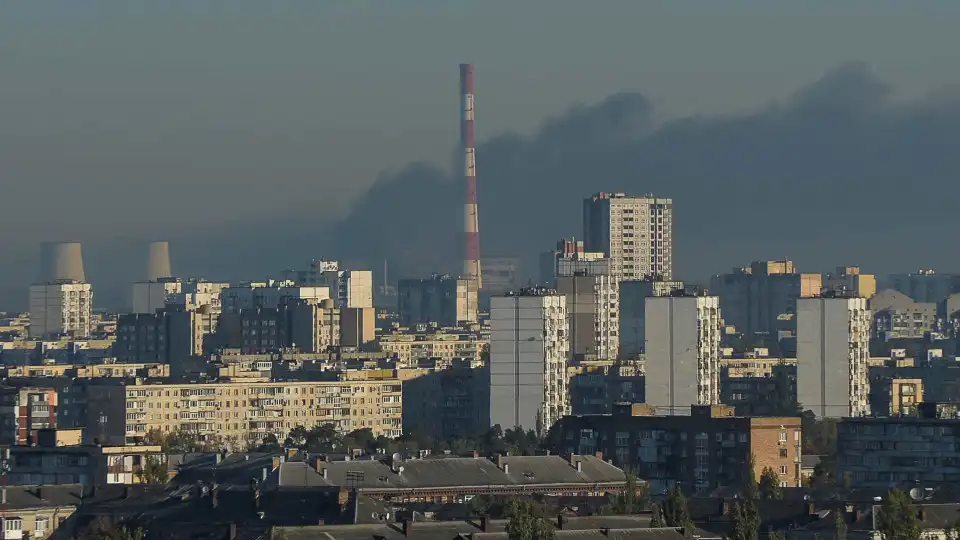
(61, 261)
(158, 261)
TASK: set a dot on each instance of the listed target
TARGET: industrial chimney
(158, 261)
(471, 260)
(61, 261)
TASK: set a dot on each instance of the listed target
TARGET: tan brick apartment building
(124, 411)
(701, 452)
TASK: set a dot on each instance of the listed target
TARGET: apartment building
(123, 412)
(441, 299)
(269, 294)
(593, 309)
(149, 296)
(529, 349)
(307, 325)
(891, 396)
(596, 386)
(636, 233)
(924, 285)
(50, 464)
(682, 352)
(574, 257)
(851, 281)
(409, 346)
(897, 316)
(24, 411)
(358, 326)
(754, 297)
(169, 335)
(61, 308)
(633, 298)
(758, 386)
(700, 452)
(833, 337)
(447, 403)
(903, 452)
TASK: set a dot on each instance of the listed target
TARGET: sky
(251, 133)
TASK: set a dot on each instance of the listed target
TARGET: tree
(675, 510)
(839, 525)
(750, 490)
(776, 535)
(770, 485)
(783, 399)
(897, 519)
(526, 521)
(269, 444)
(746, 521)
(154, 471)
(630, 500)
(656, 518)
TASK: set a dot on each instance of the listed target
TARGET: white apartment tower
(62, 307)
(636, 233)
(682, 342)
(529, 348)
(593, 305)
(833, 339)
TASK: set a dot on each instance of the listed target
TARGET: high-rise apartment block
(683, 352)
(169, 336)
(850, 281)
(636, 233)
(269, 294)
(350, 288)
(149, 296)
(441, 299)
(593, 310)
(633, 299)
(833, 338)
(752, 298)
(529, 348)
(60, 308)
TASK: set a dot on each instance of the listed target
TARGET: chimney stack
(232, 532)
(61, 261)
(484, 524)
(471, 259)
(560, 522)
(407, 528)
(158, 261)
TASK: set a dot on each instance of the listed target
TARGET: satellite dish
(915, 494)
(396, 456)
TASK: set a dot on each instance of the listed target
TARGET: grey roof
(809, 461)
(623, 527)
(32, 497)
(445, 472)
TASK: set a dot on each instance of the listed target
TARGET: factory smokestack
(471, 262)
(60, 261)
(158, 261)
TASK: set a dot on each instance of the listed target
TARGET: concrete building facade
(269, 294)
(636, 233)
(833, 338)
(633, 297)
(24, 411)
(441, 299)
(62, 307)
(753, 297)
(529, 349)
(682, 352)
(706, 449)
(593, 309)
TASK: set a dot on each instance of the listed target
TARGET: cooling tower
(158, 261)
(61, 261)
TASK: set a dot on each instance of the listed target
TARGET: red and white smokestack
(471, 263)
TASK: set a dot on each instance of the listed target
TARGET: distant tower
(471, 262)
(158, 261)
(61, 261)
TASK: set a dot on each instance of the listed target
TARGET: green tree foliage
(154, 470)
(776, 535)
(675, 511)
(103, 529)
(526, 521)
(745, 524)
(819, 435)
(750, 487)
(632, 499)
(897, 518)
(839, 525)
(656, 517)
(783, 397)
(770, 485)
(181, 442)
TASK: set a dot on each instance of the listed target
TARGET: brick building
(701, 452)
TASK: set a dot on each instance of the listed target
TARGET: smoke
(840, 173)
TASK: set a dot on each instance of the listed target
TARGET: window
(41, 525)
(783, 436)
(12, 524)
(783, 469)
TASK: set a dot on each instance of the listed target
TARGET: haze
(255, 135)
